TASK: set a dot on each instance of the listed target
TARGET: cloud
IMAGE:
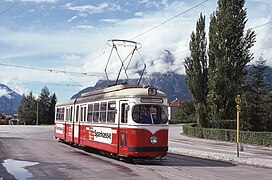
(152, 3)
(85, 27)
(139, 14)
(36, 1)
(87, 8)
(5, 93)
(110, 20)
(78, 50)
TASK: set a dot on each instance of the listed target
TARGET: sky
(63, 44)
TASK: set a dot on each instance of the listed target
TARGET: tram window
(67, 116)
(60, 114)
(81, 114)
(85, 113)
(103, 108)
(124, 113)
(90, 113)
(96, 112)
(71, 114)
(111, 112)
(149, 114)
(77, 113)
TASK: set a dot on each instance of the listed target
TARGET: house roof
(175, 102)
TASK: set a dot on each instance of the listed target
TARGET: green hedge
(247, 137)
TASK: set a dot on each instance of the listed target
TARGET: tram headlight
(153, 139)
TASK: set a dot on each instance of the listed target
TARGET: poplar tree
(53, 101)
(197, 71)
(229, 52)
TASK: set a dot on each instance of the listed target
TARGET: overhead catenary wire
(52, 70)
(14, 4)
(170, 19)
(147, 31)
(261, 25)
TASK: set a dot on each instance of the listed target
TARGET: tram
(127, 121)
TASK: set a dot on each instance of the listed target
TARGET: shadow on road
(182, 160)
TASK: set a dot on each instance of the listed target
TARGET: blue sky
(63, 34)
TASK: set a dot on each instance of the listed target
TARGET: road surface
(30, 152)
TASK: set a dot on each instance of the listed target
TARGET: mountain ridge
(9, 100)
(173, 84)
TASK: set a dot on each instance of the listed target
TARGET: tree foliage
(27, 110)
(197, 71)
(185, 113)
(229, 52)
(257, 100)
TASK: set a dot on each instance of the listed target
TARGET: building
(173, 107)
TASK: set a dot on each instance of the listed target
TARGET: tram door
(76, 124)
(123, 131)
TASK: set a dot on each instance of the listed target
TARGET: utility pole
(37, 118)
(238, 108)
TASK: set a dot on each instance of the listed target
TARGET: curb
(223, 157)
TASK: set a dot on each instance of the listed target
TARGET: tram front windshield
(149, 114)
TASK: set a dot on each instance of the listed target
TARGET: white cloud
(5, 93)
(87, 8)
(110, 20)
(139, 14)
(70, 46)
(36, 1)
(85, 27)
(72, 18)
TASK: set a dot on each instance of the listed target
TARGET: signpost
(238, 108)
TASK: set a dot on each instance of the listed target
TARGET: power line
(90, 60)
(51, 70)
(151, 29)
(262, 25)
(170, 19)
(55, 84)
(14, 4)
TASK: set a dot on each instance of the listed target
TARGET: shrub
(247, 137)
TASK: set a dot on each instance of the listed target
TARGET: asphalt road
(29, 152)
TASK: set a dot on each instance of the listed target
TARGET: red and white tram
(123, 120)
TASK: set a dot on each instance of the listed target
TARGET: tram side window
(103, 108)
(77, 114)
(81, 114)
(60, 114)
(85, 113)
(90, 113)
(96, 112)
(124, 113)
(71, 114)
(111, 112)
(67, 116)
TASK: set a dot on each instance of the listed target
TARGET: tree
(197, 71)
(44, 106)
(185, 113)
(256, 98)
(229, 52)
(53, 101)
(27, 109)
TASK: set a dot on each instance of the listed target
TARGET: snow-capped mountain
(9, 100)
(174, 85)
